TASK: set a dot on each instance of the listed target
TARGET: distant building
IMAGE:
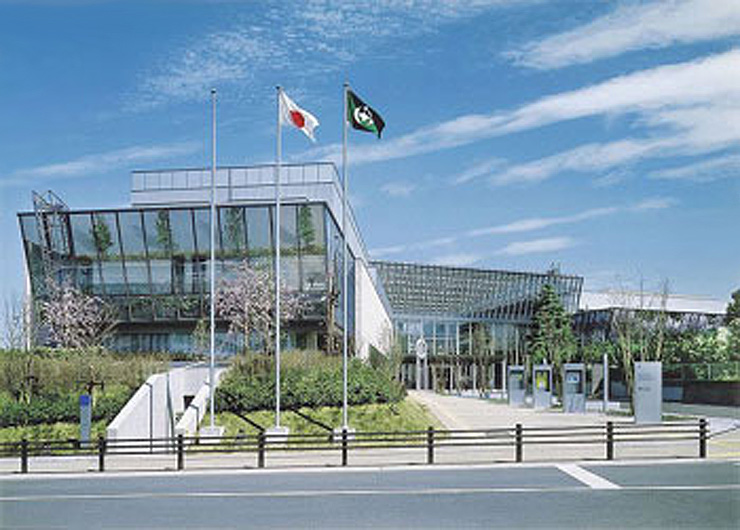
(595, 318)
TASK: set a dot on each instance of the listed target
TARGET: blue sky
(601, 136)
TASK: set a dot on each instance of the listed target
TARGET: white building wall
(372, 322)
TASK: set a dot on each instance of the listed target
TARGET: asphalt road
(665, 495)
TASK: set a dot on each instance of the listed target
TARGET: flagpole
(345, 312)
(278, 156)
(211, 368)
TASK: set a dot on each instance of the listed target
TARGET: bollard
(24, 456)
(261, 449)
(519, 443)
(609, 440)
(702, 438)
(180, 452)
(430, 445)
(101, 453)
(344, 446)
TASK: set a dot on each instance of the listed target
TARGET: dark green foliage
(101, 235)
(43, 386)
(164, 233)
(313, 380)
(552, 337)
(733, 308)
(61, 408)
(306, 231)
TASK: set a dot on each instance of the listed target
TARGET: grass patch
(49, 432)
(405, 415)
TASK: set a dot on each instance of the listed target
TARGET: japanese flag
(292, 114)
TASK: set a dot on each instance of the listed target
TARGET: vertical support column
(430, 445)
(101, 454)
(344, 446)
(261, 449)
(702, 438)
(609, 440)
(180, 452)
(519, 443)
(24, 456)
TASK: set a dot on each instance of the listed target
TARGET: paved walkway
(457, 412)
(463, 412)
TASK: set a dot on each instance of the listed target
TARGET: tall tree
(552, 338)
(246, 298)
(733, 323)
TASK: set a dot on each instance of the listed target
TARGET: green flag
(363, 117)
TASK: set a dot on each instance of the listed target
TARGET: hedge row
(307, 381)
(61, 408)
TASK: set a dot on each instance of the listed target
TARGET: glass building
(151, 261)
(473, 321)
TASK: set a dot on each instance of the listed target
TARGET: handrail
(517, 437)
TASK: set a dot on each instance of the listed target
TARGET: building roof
(675, 303)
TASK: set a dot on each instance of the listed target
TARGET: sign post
(85, 417)
(421, 354)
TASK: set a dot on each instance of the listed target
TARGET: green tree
(235, 229)
(551, 339)
(733, 308)
(101, 235)
(306, 231)
(733, 324)
(164, 232)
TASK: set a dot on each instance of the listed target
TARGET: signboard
(648, 394)
(421, 349)
(85, 417)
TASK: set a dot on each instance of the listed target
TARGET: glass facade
(152, 263)
(469, 318)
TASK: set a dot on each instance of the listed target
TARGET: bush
(43, 386)
(309, 379)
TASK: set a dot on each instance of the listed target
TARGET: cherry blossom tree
(246, 299)
(75, 319)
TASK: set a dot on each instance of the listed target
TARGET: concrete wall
(193, 415)
(147, 413)
(372, 322)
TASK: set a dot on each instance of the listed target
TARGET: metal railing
(431, 440)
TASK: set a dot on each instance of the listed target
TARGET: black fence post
(609, 440)
(24, 456)
(101, 453)
(702, 438)
(261, 449)
(344, 446)
(519, 443)
(430, 445)
(180, 452)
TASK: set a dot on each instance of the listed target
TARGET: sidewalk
(457, 412)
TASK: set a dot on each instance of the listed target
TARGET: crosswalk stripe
(591, 480)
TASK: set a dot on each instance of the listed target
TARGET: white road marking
(345, 493)
(591, 480)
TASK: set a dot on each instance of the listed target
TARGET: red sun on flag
(298, 119)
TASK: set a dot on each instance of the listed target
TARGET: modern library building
(150, 262)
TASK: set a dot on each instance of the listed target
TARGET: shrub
(309, 379)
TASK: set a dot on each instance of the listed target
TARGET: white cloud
(538, 223)
(537, 246)
(526, 225)
(694, 97)
(657, 203)
(398, 189)
(633, 27)
(100, 162)
(293, 40)
(457, 260)
(706, 171)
